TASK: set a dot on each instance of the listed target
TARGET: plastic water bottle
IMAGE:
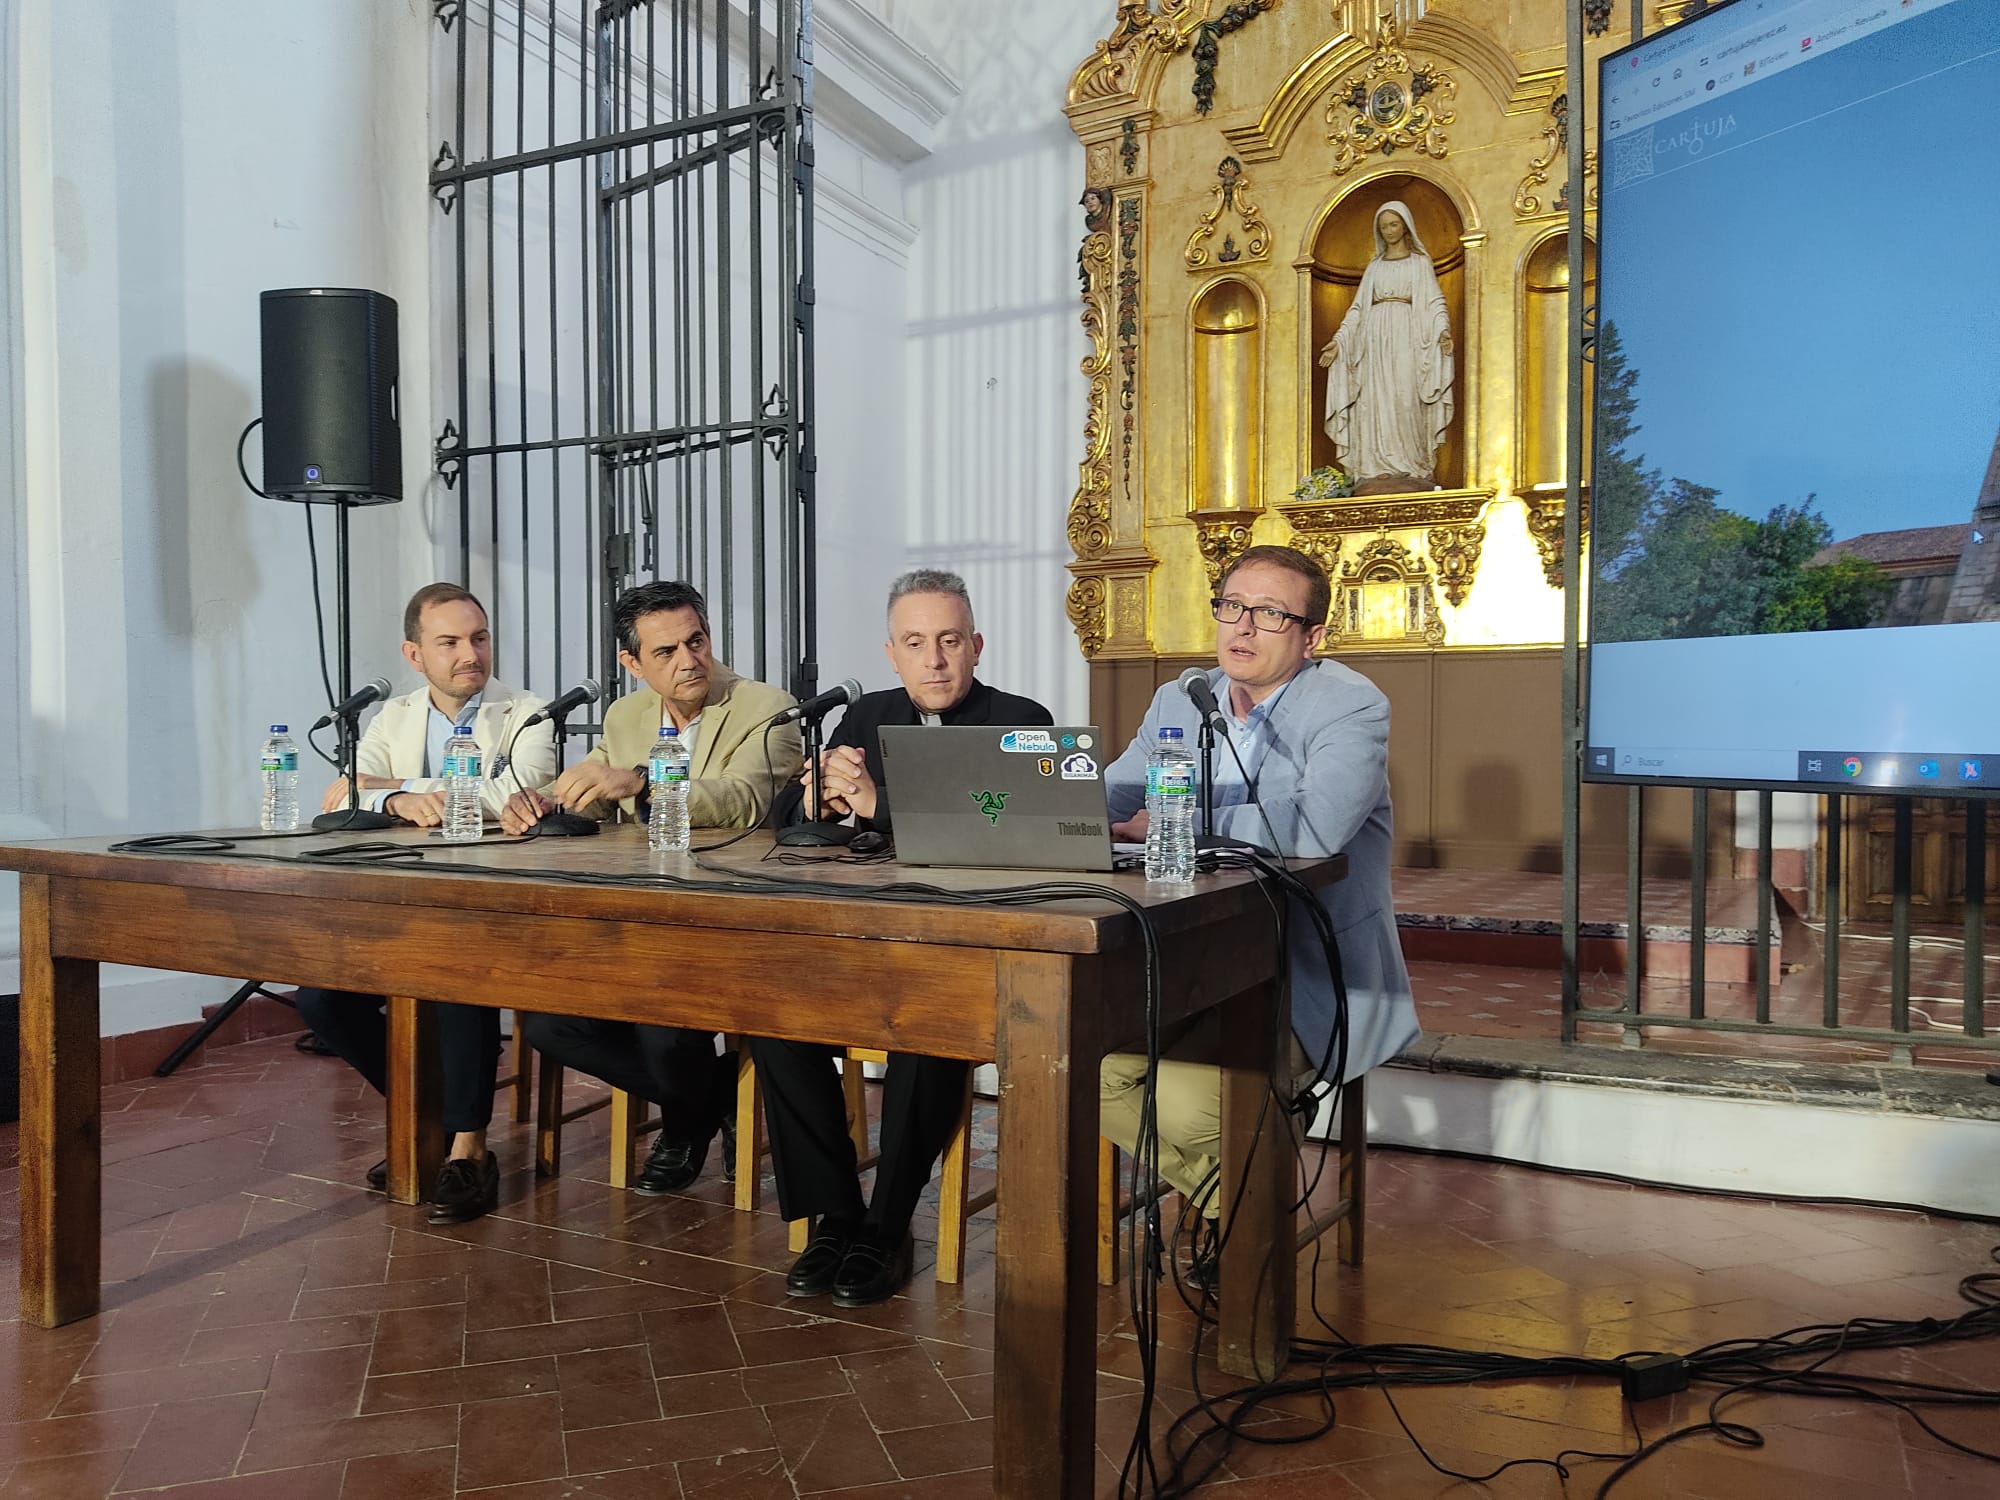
(667, 828)
(464, 818)
(1170, 809)
(280, 764)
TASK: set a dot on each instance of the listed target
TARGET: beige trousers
(1187, 1104)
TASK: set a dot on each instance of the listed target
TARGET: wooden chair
(1348, 1214)
(956, 1202)
(631, 1122)
(522, 1079)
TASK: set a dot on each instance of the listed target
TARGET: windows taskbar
(1876, 770)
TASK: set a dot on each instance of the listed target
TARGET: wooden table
(1042, 991)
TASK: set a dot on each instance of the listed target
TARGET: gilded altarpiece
(1237, 158)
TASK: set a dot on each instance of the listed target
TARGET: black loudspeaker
(331, 430)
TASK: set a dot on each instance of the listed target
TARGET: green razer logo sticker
(991, 803)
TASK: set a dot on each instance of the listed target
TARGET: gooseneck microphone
(1194, 682)
(584, 692)
(814, 709)
(355, 701)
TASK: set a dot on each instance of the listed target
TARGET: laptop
(987, 796)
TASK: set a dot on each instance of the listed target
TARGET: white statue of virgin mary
(1389, 365)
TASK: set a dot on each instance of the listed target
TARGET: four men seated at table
(1305, 770)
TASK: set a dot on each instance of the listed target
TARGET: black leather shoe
(670, 1166)
(813, 1273)
(873, 1271)
(729, 1147)
(1204, 1272)
(378, 1177)
(466, 1190)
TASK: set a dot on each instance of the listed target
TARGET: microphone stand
(559, 824)
(353, 818)
(813, 834)
(1208, 840)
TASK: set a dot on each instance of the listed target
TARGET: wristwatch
(643, 802)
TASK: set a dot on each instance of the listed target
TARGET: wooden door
(1937, 860)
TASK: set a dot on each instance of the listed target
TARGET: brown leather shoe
(466, 1190)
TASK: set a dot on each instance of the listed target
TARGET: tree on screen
(1672, 563)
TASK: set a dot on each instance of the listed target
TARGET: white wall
(167, 162)
(995, 407)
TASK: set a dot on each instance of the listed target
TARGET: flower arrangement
(1327, 483)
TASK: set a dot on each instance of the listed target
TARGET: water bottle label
(1170, 781)
(461, 765)
(289, 761)
(668, 772)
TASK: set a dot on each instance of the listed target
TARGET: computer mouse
(868, 841)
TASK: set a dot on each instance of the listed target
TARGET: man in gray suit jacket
(1314, 741)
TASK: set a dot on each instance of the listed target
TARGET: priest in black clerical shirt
(860, 1252)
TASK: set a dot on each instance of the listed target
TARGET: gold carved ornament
(1545, 525)
(1455, 551)
(1089, 525)
(1221, 540)
(1390, 105)
(1555, 141)
(1085, 607)
(1109, 71)
(1232, 195)
(1386, 564)
(1317, 534)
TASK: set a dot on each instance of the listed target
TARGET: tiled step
(1513, 919)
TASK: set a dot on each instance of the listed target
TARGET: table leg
(1259, 1182)
(416, 1131)
(1044, 1363)
(61, 1200)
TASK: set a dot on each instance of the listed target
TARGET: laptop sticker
(1028, 742)
(992, 804)
(1079, 767)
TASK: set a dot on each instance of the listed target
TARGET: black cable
(770, 812)
(241, 438)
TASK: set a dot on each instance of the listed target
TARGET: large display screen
(1795, 480)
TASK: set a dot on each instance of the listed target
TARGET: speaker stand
(353, 818)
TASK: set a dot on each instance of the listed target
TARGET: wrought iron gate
(625, 190)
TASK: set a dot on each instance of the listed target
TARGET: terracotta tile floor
(271, 1330)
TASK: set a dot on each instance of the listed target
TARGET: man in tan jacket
(663, 640)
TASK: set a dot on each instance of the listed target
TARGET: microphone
(815, 709)
(1194, 682)
(359, 699)
(584, 692)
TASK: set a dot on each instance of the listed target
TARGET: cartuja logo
(991, 803)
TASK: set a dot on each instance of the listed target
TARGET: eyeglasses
(1262, 616)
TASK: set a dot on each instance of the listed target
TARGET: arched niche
(1226, 397)
(1542, 375)
(1341, 251)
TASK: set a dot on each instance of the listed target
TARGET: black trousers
(676, 1068)
(811, 1153)
(468, 1048)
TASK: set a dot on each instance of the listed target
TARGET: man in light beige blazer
(445, 637)
(663, 640)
